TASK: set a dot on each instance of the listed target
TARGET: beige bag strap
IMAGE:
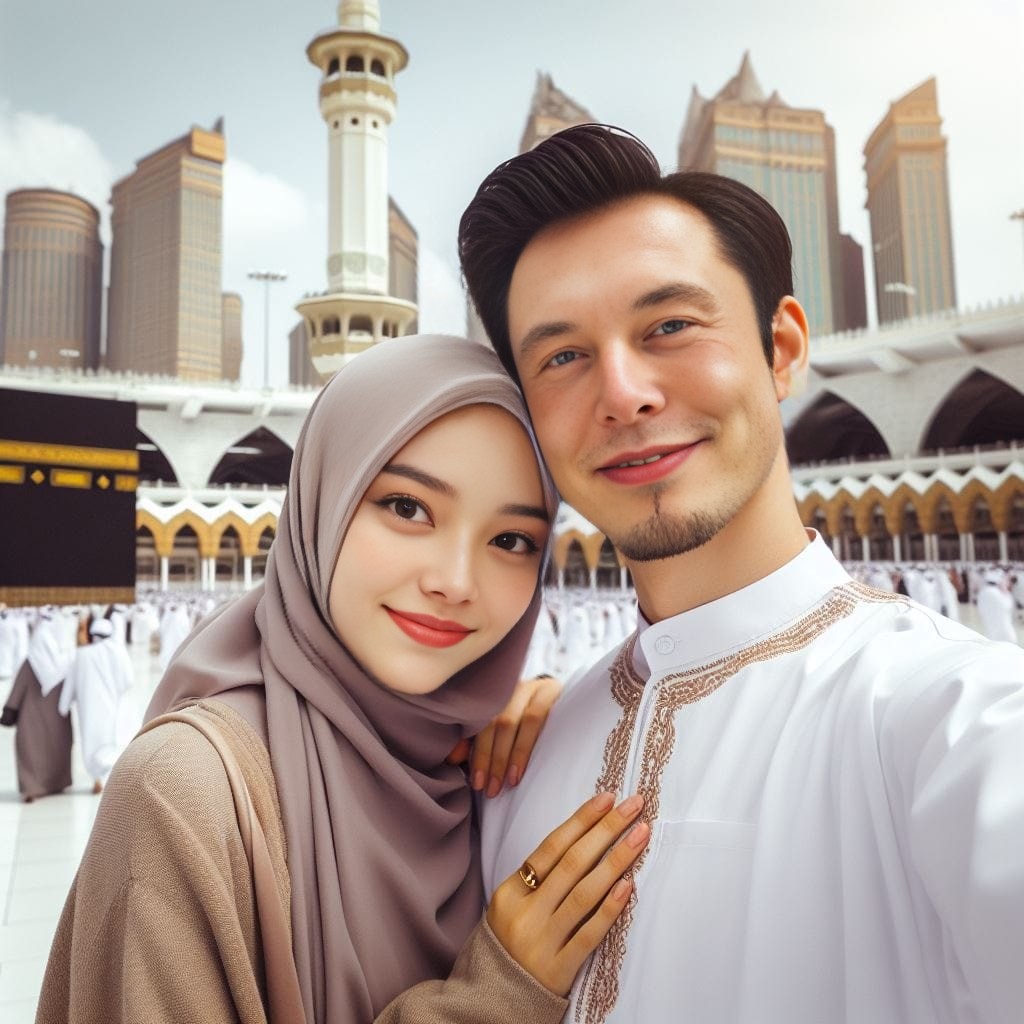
(284, 997)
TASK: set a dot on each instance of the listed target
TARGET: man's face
(640, 358)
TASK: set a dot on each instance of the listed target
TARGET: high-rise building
(301, 370)
(788, 155)
(52, 281)
(165, 261)
(551, 110)
(855, 303)
(231, 336)
(358, 66)
(403, 258)
(908, 205)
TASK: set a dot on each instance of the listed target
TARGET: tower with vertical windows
(788, 155)
(908, 206)
(358, 66)
(164, 307)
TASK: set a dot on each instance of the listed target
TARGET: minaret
(357, 100)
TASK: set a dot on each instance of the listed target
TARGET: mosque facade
(907, 443)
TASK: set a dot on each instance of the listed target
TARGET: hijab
(383, 862)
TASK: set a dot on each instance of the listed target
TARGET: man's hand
(500, 753)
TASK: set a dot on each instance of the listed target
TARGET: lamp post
(901, 288)
(266, 276)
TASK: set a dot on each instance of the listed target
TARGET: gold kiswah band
(126, 460)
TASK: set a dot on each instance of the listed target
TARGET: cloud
(442, 300)
(259, 207)
(40, 151)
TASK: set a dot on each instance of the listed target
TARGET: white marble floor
(40, 846)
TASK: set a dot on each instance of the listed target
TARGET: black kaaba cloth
(68, 475)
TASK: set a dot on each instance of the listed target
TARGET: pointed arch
(830, 429)
(202, 530)
(163, 540)
(258, 457)
(1008, 494)
(251, 536)
(153, 462)
(979, 410)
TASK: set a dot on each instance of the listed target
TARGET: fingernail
(621, 889)
(632, 805)
(478, 779)
(494, 787)
(638, 834)
(603, 801)
(513, 776)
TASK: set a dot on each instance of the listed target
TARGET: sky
(87, 89)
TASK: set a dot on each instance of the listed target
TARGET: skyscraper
(358, 66)
(855, 305)
(51, 287)
(551, 110)
(788, 155)
(231, 336)
(908, 205)
(165, 261)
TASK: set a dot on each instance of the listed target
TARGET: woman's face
(441, 558)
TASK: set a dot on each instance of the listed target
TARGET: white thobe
(13, 643)
(175, 625)
(995, 609)
(100, 682)
(833, 779)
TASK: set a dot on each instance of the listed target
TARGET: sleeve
(962, 774)
(486, 986)
(159, 924)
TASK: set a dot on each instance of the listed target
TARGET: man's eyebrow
(692, 293)
(541, 332)
(533, 511)
(412, 473)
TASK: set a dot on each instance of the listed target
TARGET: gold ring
(529, 875)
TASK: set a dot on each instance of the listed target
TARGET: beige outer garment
(160, 924)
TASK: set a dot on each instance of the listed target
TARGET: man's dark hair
(588, 168)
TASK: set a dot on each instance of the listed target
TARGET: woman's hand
(551, 929)
(502, 751)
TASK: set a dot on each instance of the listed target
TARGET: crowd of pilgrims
(61, 658)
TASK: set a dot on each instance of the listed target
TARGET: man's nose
(629, 385)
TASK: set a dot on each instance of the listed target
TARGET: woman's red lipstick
(427, 630)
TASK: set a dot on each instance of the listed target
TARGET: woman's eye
(517, 543)
(671, 327)
(407, 508)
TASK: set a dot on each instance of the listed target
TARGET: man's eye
(671, 327)
(517, 543)
(562, 358)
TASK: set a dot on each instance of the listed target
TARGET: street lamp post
(266, 276)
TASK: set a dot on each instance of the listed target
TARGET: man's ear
(790, 338)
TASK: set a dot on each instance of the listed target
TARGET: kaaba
(68, 476)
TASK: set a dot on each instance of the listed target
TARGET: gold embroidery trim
(70, 478)
(599, 991)
(69, 455)
(12, 474)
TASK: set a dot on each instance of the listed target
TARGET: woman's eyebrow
(412, 473)
(533, 511)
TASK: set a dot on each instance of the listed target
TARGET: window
(355, 64)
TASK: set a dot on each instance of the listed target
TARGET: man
(101, 683)
(832, 773)
(995, 608)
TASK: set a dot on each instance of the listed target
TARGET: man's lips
(646, 466)
(427, 630)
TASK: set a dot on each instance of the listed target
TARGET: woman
(398, 603)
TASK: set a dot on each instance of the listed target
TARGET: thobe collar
(738, 619)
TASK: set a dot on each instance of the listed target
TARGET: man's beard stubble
(665, 536)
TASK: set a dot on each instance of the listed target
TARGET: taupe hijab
(381, 853)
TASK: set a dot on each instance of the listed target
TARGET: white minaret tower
(357, 100)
